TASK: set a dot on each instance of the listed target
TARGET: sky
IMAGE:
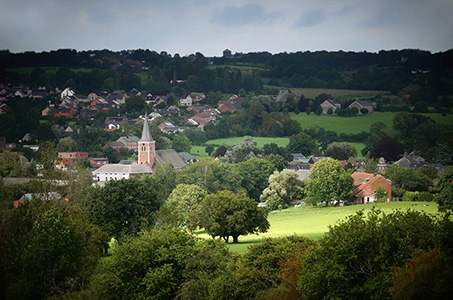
(209, 27)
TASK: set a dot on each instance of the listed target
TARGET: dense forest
(160, 72)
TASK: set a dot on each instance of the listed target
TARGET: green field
(358, 124)
(199, 151)
(243, 68)
(358, 147)
(313, 222)
(282, 142)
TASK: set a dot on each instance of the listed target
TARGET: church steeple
(146, 136)
(146, 146)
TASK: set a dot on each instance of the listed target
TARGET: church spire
(146, 136)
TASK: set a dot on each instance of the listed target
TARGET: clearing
(313, 222)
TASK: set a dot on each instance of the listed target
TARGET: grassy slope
(358, 123)
(313, 92)
(313, 222)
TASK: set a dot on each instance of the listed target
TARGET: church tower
(146, 146)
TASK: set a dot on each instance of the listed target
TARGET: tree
(406, 178)
(246, 150)
(356, 256)
(381, 194)
(181, 143)
(445, 185)
(328, 181)
(388, 148)
(124, 207)
(301, 143)
(182, 204)
(165, 176)
(209, 149)
(226, 214)
(221, 151)
(47, 248)
(341, 150)
(254, 174)
(196, 136)
(277, 160)
(285, 185)
(149, 266)
(13, 165)
(66, 144)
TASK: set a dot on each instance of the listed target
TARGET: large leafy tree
(388, 148)
(149, 266)
(328, 181)
(341, 150)
(284, 185)
(226, 214)
(125, 206)
(254, 174)
(301, 143)
(445, 185)
(181, 143)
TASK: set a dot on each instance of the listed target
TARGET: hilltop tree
(226, 214)
(328, 181)
(301, 143)
(341, 150)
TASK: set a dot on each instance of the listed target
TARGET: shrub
(363, 111)
(330, 111)
(425, 197)
(411, 196)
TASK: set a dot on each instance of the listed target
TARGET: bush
(425, 197)
(330, 111)
(363, 111)
(411, 196)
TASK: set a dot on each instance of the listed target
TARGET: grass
(199, 151)
(240, 67)
(358, 147)
(282, 142)
(359, 123)
(313, 222)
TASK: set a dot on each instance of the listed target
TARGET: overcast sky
(189, 26)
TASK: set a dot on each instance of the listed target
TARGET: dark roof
(170, 155)
(364, 103)
(146, 136)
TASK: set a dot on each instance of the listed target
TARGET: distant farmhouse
(330, 104)
(362, 104)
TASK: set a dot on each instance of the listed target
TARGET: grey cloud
(380, 19)
(311, 18)
(345, 10)
(240, 16)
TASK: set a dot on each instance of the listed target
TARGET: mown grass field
(313, 222)
(358, 124)
(199, 151)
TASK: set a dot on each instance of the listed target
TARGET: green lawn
(282, 142)
(313, 222)
(359, 147)
(358, 124)
(199, 151)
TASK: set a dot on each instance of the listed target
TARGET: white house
(185, 101)
(67, 92)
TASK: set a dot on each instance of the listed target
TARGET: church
(148, 159)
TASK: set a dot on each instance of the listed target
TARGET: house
(416, 161)
(129, 142)
(229, 106)
(381, 165)
(45, 112)
(187, 157)
(186, 101)
(64, 111)
(67, 92)
(40, 196)
(314, 159)
(299, 157)
(97, 162)
(148, 159)
(227, 53)
(168, 127)
(365, 185)
(68, 158)
(330, 104)
(362, 104)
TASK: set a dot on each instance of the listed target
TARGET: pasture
(313, 222)
(358, 123)
(232, 141)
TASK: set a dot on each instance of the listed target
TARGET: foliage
(196, 136)
(285, 185)
(226, 214)
(254, 174)
(301, 143)
(277, 160)
(341, 150)
(356, 255)
(66, 144)
(182, 204)
(149, 266)
(246, 150)
(406, 178)
(381, 194)
(124, 207)
(13, 165)
(209, 149)
(388, 148)
(259, 272)
(427, 275)
(328, 181)
(165, 176)
(210, 274)
(47, 248)
(181, 143)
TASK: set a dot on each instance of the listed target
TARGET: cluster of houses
(333, 105)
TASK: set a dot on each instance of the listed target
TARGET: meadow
(261, 141)
(358, 123)
(336, 93)
(313, 222)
